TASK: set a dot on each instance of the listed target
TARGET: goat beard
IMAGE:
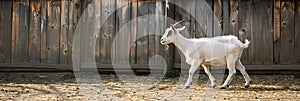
(166, 47)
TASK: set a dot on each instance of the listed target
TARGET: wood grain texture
(53, 31)
(297, 31)
(5, 31)
(34, 32)
(277, 28)
(24, 31)
(133, 30)
(287, 49)
(64, 30)
(44, 23)
(245, 27)
(218, 10)
(142, 32)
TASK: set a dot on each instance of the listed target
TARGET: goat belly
(215, 62)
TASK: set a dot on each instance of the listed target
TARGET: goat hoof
(247, 86)
(214, 86)
(225, 87)
(186, 87)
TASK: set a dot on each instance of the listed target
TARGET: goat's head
(171, 34)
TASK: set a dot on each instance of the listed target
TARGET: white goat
(217, 51)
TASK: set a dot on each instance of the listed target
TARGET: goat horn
(178, 22)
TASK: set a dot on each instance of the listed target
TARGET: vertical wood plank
(159, 29)
(262, 32)
(35, 31)
(204, 16)
(71, 29)
(24, 31)
(15, 31)
(152, 29)
(233, 20)
(226, 17)
(245, 26)
(210, 19)
(107, 31)
(133, 30)
(171, 52)
(5, 31)
(267, 31)
(297, 31)
(178, 17)
(122, 27)
(44, 23)
(53, 31)
(64, 25)
(287, 32)
(97, 29)
(277, 28)
(218, 10)
(256, 39)
(142, 31)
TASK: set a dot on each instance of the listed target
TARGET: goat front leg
(210, 76)
(192, 70)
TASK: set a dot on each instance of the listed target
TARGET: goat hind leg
(211, 78)
(242, 69)
(232, 72)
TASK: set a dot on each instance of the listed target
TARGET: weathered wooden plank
(202, 16)
(24, 30)
(15, 31)
(87, 35)
(133, 30)
(71, 29)
(142, 32)
(97, 29)
(152, 29)
(169, 54)
(277, 28)
(123, 31)
(261, 33)
(53, 31)
(107, 31)
(226, 17)
(74, 15)
(64, 25)
(233, 19)
(178, 17)
(209, 18)
(256, 39)
(44, 17)
(5, 31)
(267, 31)
(287, 33)
(218, 10)
(297, 31)
(159, 29)
(245, 26)
(34, 31)
(192, 13)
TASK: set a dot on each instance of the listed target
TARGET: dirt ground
(63, 86)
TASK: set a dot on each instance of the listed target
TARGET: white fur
(217, 51)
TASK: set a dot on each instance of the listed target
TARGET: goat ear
(181, 29)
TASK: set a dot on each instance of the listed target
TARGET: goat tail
(246, 44)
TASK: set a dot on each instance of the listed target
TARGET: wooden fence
(39, 33)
